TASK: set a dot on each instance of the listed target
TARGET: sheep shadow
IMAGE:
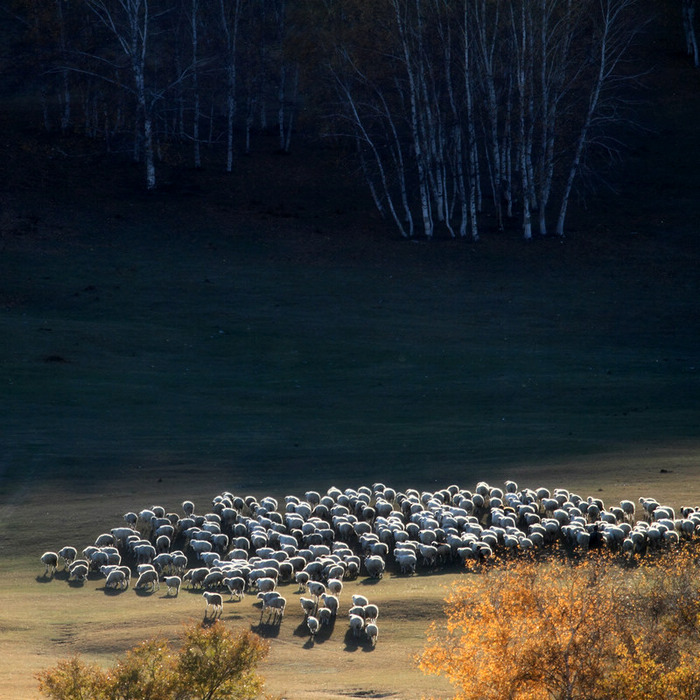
(352, 641)
(45, 578)
(267, 630)
(144, 592)
(209, 621)
(301, 630)
(112, 591)
(76, 583)
(370, 581)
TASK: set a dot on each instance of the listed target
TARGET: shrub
(211, 663)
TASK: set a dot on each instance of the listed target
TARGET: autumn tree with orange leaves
(593, 630)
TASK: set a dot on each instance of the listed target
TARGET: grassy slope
(269, 340)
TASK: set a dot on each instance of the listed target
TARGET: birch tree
(612, 35)
(129, 23)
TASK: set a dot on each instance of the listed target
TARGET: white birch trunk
(487, 49)
(426, 213)
(609, 16)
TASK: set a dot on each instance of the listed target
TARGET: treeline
(457, 109)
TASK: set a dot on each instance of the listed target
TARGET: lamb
(173, 583)
(360, 600)
(372, 632)
(50, 561)
(215, 601)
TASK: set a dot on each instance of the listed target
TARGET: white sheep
(331, 602)
(266, 584)
(78, 572)
(313, 624)
(308, 605)
(278, 606)
(215, 601)
(372, 632)
(316, 589)
(335, 586)
(360, 600)
(117, 579)
(173, 583)
(371, 612)
(236, 586)
(146, 579)
(375, 566)
(68, 554)
(357, 624)
(50, 561)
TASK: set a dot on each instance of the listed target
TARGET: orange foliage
(530, 630)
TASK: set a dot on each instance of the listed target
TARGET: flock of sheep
(242, 545)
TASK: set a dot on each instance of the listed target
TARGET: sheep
(105, 539)
(308, 606)
(357, 624)
(173, 583)
(266, 584)
(146, 579)
(331, 602)
(213, 579)
(325, 616)
(78, 572)
(360, 600)
(316, 589)
(313, 624)
(335, 586)
(236, 586)
(68, 554)
(371, 613)
(372, 632)
(375, 566)
(215, 601)
(278, 606)
(117, 579)
(50, 561)
(195, 576)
